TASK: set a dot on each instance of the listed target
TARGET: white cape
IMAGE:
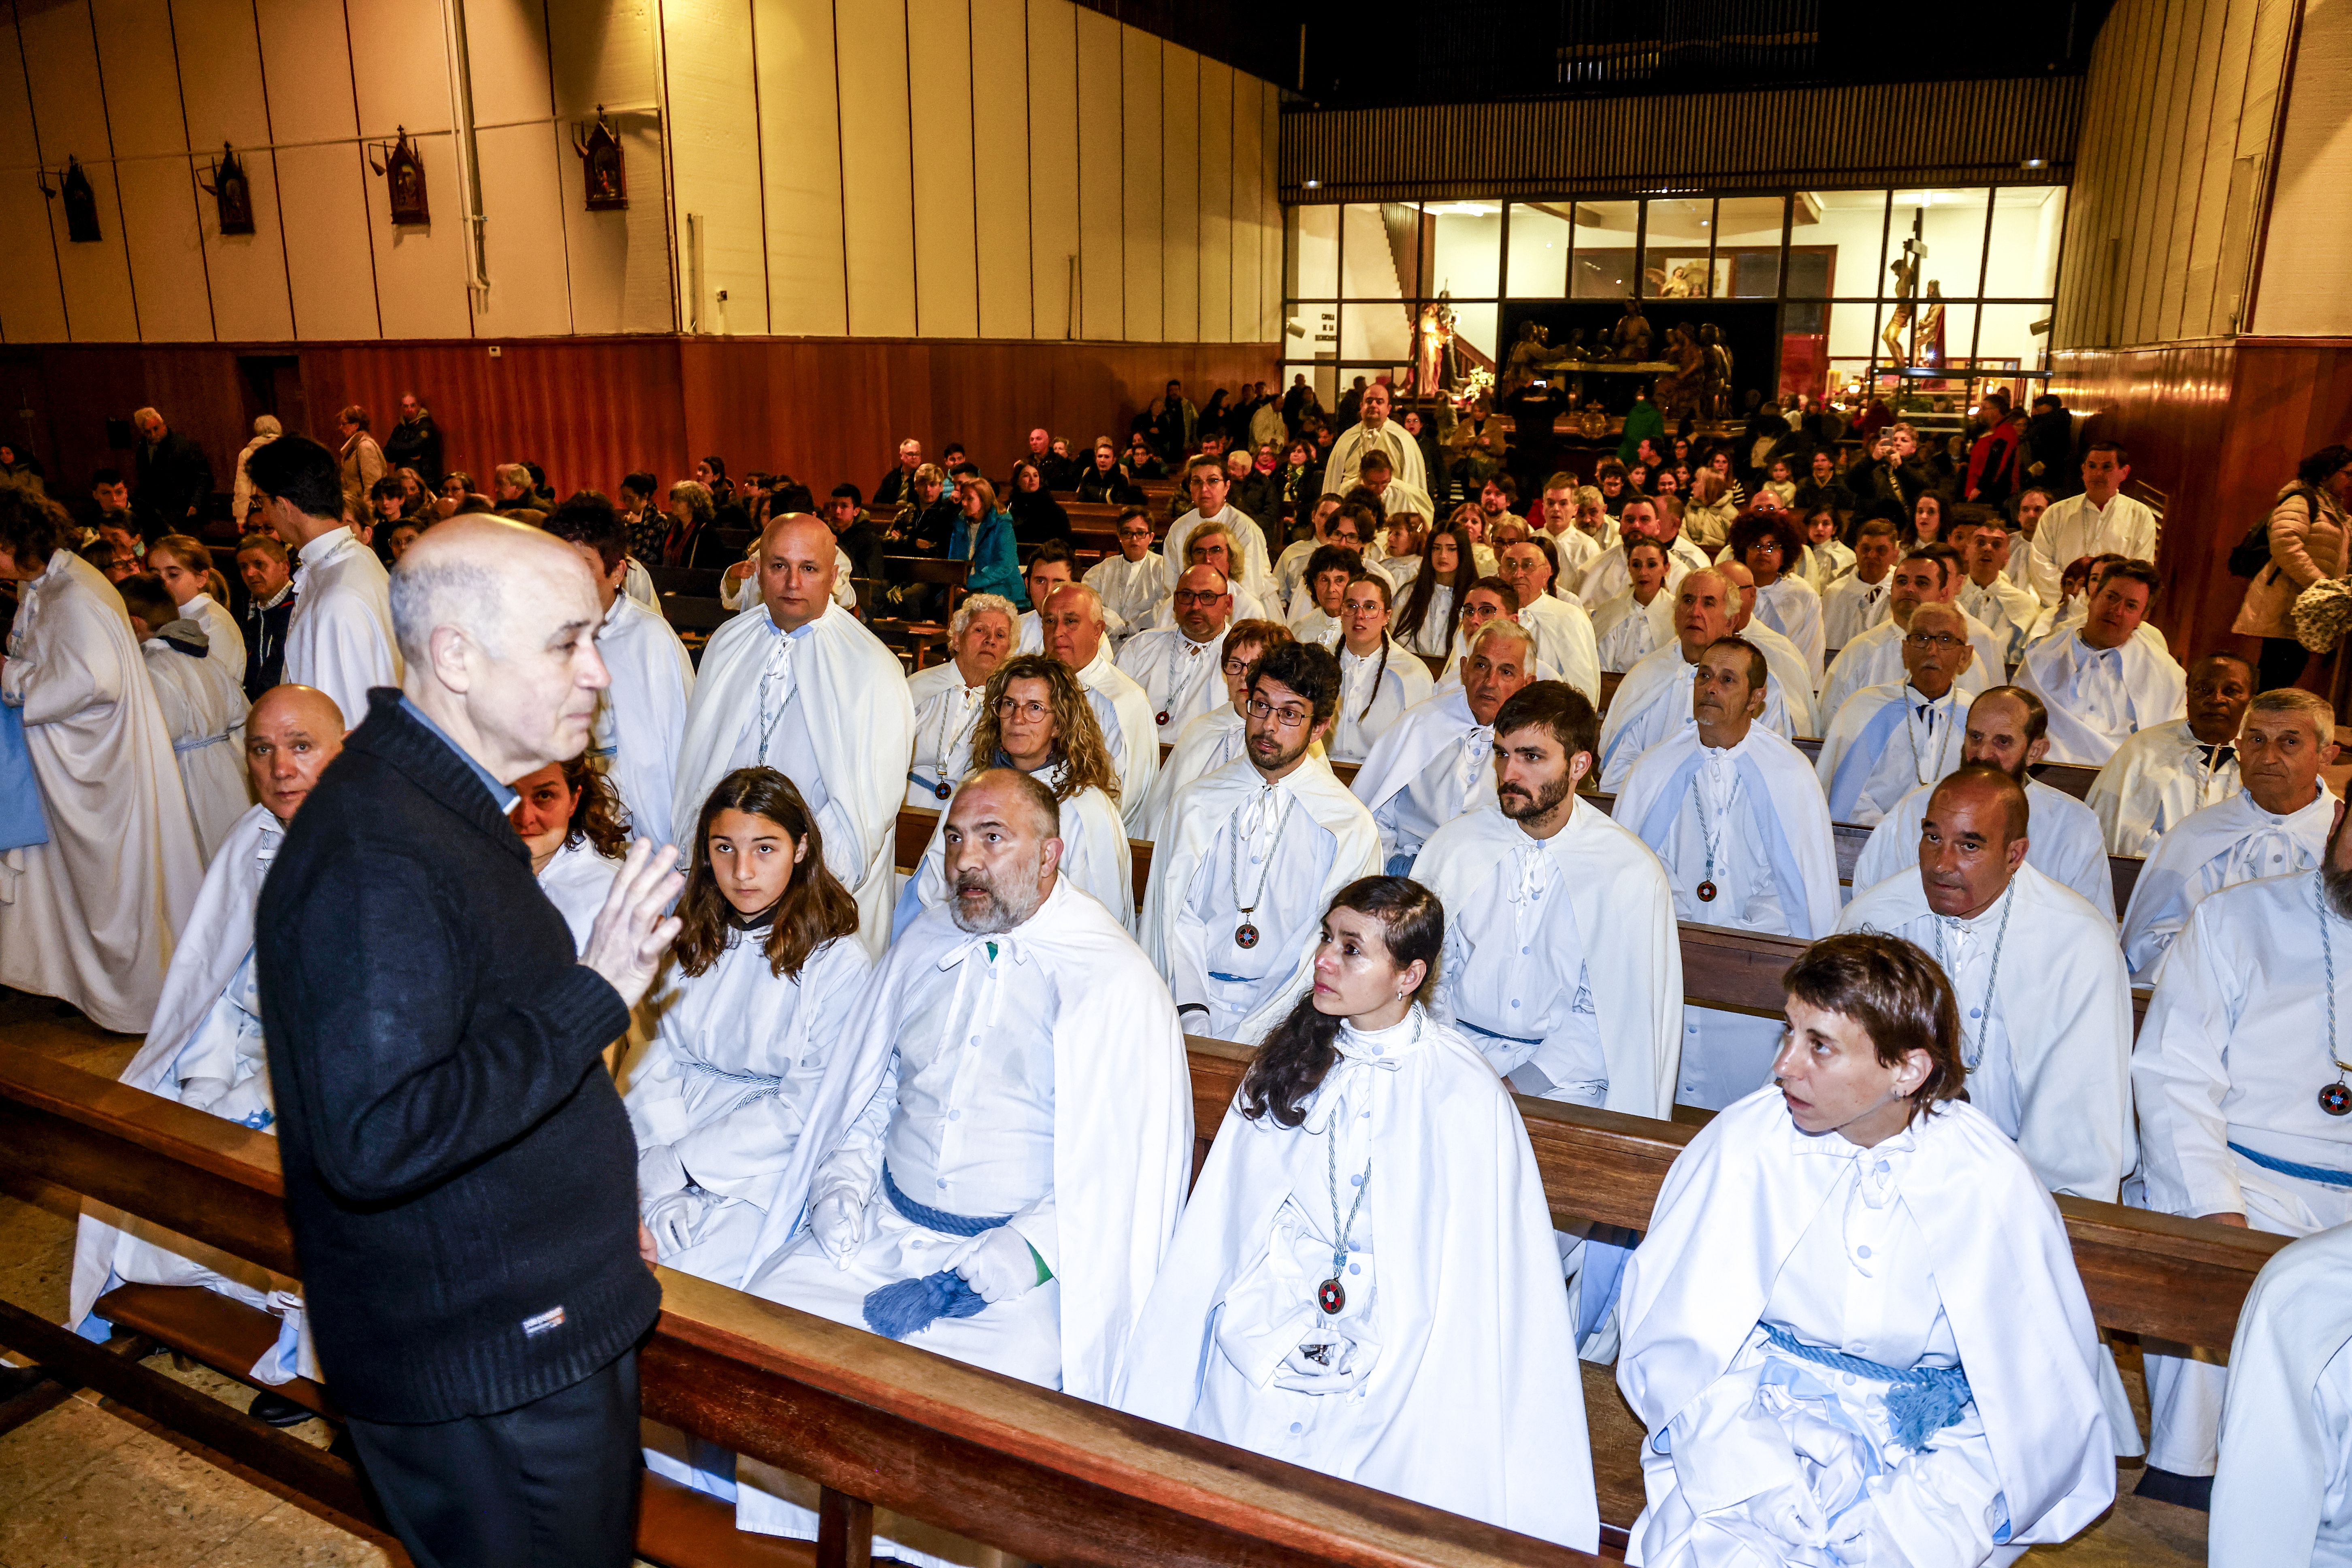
(2231, 841)
(1631, 727)
(1738, 1200)
(2156, 684)
(641, 716)
(860, 723)
(1476, 1404)
(339, 637)
(2280, 1459)
(1129, 728)
(204, 707)
(1876, 656)
(1787, 806)
(2154, 780)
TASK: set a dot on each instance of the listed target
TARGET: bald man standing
(796, 684)
(461, 1177)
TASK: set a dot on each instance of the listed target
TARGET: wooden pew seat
(204, 1325)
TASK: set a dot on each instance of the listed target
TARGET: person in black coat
(175, 480)
(415, 442)
(459, 1174)
(1036, 515)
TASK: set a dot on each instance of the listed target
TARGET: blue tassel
(910, 1306)
(1916, 1411)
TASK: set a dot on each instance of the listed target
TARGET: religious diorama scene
(1038, 782)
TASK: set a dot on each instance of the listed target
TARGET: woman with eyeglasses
(1036, 717)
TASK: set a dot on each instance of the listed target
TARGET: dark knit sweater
(461, 1177)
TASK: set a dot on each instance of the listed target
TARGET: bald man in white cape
(2280, 1495)
(91, 914)
(820, 699)
(1653, 703)
(1074, 628)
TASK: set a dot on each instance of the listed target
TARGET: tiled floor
(92, 1485)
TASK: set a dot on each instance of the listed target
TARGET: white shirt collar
(326, 545)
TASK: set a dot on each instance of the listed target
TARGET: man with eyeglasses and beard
(994, 1163)
(2243, 1113)
(1250, 856)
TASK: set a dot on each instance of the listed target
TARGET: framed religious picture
(603, 174)
(80, 202)
(231, 192)
(404, 180)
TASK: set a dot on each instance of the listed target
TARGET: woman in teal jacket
(984, 536)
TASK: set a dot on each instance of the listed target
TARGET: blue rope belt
(909, 1305)
(2320, 1173)
(757, 1085)
(197, 744)
(1235, 979)
(914, 777)
(1921, 1401)
(1461, 1023)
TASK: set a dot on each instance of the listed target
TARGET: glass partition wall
(1923, 298)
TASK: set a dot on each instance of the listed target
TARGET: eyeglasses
(1289, 717)
(1011, 706)
(1135, 533)
(1237, 667)
(1942, 642)
(1197, 597)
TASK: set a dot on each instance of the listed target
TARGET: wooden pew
(1044, 1476)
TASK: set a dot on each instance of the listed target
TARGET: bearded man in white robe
(339, 638)
(641, 716)
(204, 706)
(1653, 703)
(2005, 729)
(1889, 739)
(1253, 854)
(2162, 774)
(1927, 576)
(947, 697)
(1008, 1211)
(206, 1048)
(2103, 682)
(93, 898)
(2276, 825)
(1074, 625)
(1218, 736)
(1431, 767)
(1854, 1332)
(2243, 1108)
(2279, 1495)
(798, 685)
(1176, 665)
(1737, 815)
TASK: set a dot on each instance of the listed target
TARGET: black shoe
(277, 1410)
(2169, 1486)
(17, 1380)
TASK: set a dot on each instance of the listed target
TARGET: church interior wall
(2302, 291)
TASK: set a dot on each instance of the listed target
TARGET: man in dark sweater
(460, 1176)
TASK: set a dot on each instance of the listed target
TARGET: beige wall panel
(1144, 160)
(1180, 192)
(2199, 257)
(220, 74)
(947, 262)
(1249, 203)
(162, 236)
(305, 64)
(522, 193)
(1000, 165)
(715, 159)
(2303, 291)
(247, 272)
(142, 81)
(1216, 203)
(402, 54)
(1102, 241)
(799, 132)
(1052, 163)
(420, 271)
(877, 175)
(2189, 174)
(506, 43)
(2172, 204)
(1269, 269)
(32, 304)
(330, 265)
(604, 53)
(618, 262)
(69, 113)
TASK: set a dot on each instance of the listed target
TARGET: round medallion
(2335, 1100)
(1706, 892)
(1331, 1296)
(1161, 716)
(942, 791)
(1245, 937)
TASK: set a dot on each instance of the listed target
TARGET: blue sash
(1921, 1400)
(1853, 768)
(2319, 1173)
(21, 823)
(1655, 828)
(909, 1305)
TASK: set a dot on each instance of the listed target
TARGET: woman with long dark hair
(762, 979)
(572, 820)
(1365, 1281)
(1036, 515)
(1433, 603)
(1379, 675)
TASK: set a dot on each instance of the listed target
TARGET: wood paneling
(939, 117)
(1217, 94)
(1180, 76)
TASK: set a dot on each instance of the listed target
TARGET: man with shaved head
(205, 1045)
(1889, 739)
(1653, 702)
(797, 684)
(1734, 813)
(2166, 772)
(458, 1170)
(995, 1157)
(2006, 730)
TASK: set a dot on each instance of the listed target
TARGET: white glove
(677, 1219)
(838, 1222)
(997, 1264)
(660, 1172)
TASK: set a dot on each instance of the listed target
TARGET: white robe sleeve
(2180, 1077)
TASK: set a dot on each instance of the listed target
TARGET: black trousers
(552, 1484)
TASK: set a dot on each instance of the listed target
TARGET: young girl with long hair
(1379, 677)
(1365, 1281)
(1433, 603)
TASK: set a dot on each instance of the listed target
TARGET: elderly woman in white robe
(1854, 1332)
(1365, 1281)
